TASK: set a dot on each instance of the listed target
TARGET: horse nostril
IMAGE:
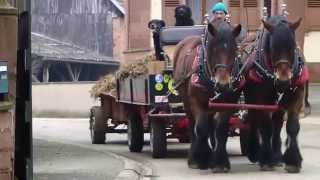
(222, 76)
(221, 70)
(283, 71)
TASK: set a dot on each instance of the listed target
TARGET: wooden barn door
(234, 11)
(251, 13)
(245, 12)
(312, 15)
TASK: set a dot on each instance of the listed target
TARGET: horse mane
(283, 37)
(224, 32)
(223, 37)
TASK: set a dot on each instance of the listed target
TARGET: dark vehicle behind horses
(203, 70)
(277, 76)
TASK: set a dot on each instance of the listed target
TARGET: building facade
(73, 40)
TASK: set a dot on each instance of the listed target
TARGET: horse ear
(295, 25)
(237, 30)
(267, 25)
(212, 30)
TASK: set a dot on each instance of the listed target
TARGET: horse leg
(307, 106)
(251, 95)
(265, 125)
(253, 142)
(220, 161)
(292, 156)
(200, 150)
(277, 119)
(212, 140)
(191, 161)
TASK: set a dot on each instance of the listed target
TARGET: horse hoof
(193, 166)
(278, 164)
(197, 166)
(292, 169)
(252, 158)
(266, 168)
(220, 170)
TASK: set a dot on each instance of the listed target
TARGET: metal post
(23, 160)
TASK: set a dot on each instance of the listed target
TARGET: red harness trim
(302, 77)
(254, 76)
(242, 83)
(297, 81)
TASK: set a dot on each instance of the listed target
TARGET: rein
(204, 71)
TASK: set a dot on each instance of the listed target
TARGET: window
(314, 3)
(171, 3)
(234, 3)
(250, 3)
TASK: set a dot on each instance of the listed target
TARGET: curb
(132, 170)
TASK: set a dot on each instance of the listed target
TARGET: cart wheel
(158, 139)
(97, 125)
(244, 141)
(135, 132)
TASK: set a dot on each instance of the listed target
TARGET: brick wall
(6, 145)
(8, 52)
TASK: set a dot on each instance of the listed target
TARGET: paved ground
(57, 161)
(75, 133)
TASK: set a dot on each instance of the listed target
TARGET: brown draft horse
(277, 76)
(208, 127)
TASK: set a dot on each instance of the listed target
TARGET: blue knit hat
(219, 7)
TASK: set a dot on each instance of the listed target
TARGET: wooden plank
(250, 3)
(138, 90)
(314, 3)
(234, 3)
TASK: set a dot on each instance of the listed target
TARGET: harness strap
(204, 77)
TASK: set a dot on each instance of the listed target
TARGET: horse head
(280, 47)
(221, 52)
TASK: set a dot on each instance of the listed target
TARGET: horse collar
(201, 78)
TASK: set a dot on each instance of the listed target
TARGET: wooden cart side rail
(108, 95)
